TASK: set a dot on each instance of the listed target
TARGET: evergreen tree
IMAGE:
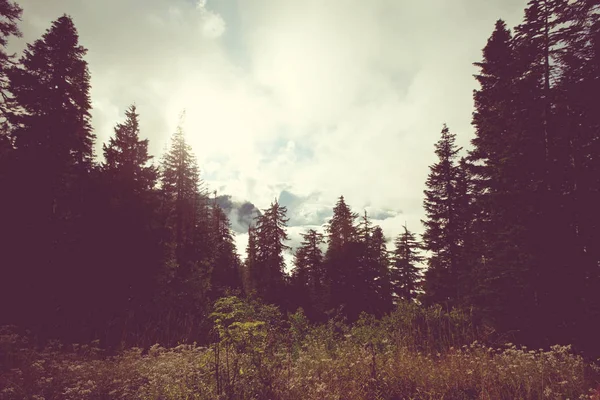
(308, 276)
(444, 279)
(250, 267)
(405, 271)
(341, 259)
(371, 282)
(504, 166)
(126, 156)
(382, 288)
(579, 161)
(226, 273)
(268, 275)
(185, 278)
(53, 139)
(11, 14)
(123, 234)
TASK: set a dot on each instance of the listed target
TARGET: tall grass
(414, 353)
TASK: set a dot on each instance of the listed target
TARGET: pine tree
(126, 156)
(406, 273)
(577, 86)
(268, 276)
(53, 139)
(341, 259)
(51, 88)
(180, 188)
(185, 278)
(11, 14)
(226, 274)
(444, 226)
(382, 288)
(250, 267)
(371, 283)
(308, 276)
(504, 166)
(123, 233)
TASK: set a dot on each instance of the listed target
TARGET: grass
(414, 353)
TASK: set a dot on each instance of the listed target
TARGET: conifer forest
(120, 277)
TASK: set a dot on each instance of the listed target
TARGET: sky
(301, 101)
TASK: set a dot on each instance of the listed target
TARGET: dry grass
(254, 359)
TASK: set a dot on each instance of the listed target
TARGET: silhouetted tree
(342, 258)
(308, 276)
(268, 276)
(578, 85)
(445, 225)
(123, 232)
(249, 271)
(380, 265)
(53, 149)
(226, 270)
(185, 278)
(10, 12)
(405, 271)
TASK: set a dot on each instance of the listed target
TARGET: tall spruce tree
(504, 182)
(123, 233)
(126, 156)
(341, 259)
(268, 275)
(382, 300)
(579, 162)
(52, 134)
(185, 278)
(371, 283)
(226, 265)
(10, 12)
(446, 275)
(250, 263)
(405, 270)
(308, 276)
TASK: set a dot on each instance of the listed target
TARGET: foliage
(415, 353)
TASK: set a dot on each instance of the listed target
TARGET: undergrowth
(414, 353)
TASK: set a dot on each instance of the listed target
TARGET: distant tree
(308, 276)
(405, 271)
(226, 265)
(185, 276)
(268, 276)
(342, 258)
(382, 300)
(250, 266)
(371, 282)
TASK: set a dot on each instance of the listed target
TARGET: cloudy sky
(298, 100)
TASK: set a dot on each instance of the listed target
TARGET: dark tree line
(513, 228)
(123, 250)
(134, 253)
